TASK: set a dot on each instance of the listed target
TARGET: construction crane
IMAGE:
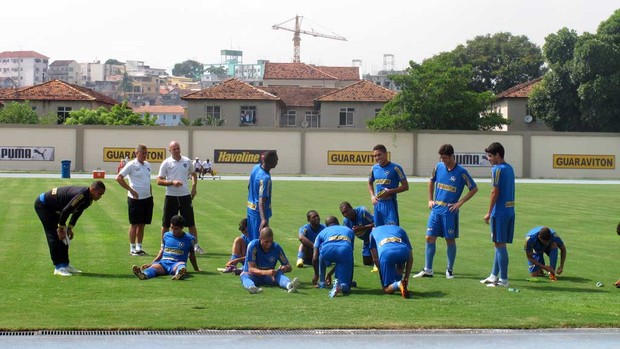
(297, 30)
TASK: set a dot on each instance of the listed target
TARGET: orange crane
(297, 31)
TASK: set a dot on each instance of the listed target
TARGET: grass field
(108, 296)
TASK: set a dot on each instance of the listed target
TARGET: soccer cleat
(140, 253)
(138, 272)
(180, 275)
(490, 280)
(72, 270)
(229, 269)
(199, 250)
(374, 269)
(403, 290)
(552, 277)
(293, 285)
(335, 290)
(255, 290)
(449, 274)
(499, 283)
(424, 274)
(300, 263)
(62, 272)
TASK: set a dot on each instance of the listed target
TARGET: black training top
(67, 201)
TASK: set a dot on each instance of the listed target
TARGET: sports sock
(502, 254)
(396, 286)
(495, 270)
(150, 273)
(451, 255)
(138, 247)
(132, 247)
(233, 256)
(429, 254)
(553, 257)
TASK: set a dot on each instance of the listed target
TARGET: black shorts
(140, 211)
(182, 205)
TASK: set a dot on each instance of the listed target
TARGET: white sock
(138, 247)
(132, 247)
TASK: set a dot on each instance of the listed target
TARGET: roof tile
(294, 71)
(232, 89)
(22, 54)
(57, 90)
(295, 96)
(519, 91)
(363, 91)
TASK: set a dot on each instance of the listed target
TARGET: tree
(437, 94)
(580, 92)
(18, 113)
(189, 69)
(217, 71)
(500, 61)
(113, 61)
(120, 114)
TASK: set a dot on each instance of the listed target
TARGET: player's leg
(171, 208)
(451, 233)
(178, 271)
(535, 270)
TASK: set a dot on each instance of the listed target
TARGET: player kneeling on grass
(540, 241)
(391, 252)
(334, 244)
(239, 247)
(260, 265)
(176, 247)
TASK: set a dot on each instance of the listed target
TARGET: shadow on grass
(550, 287)
(130, 275)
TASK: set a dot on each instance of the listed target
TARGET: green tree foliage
(190, 69)
(437, 94)
(113, 61)
(500, 61)
(18, 113)
(218, 71)
(119, 114)
(580, 92)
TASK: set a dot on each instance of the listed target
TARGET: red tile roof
(294, 71)
(22, 54)
(160, 109)
(295, 96)
(520, 91)
(363, 91)
(231, 89)
(57, 90)
(342, 73)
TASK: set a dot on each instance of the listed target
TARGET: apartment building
(25, 68)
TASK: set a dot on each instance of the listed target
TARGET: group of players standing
(386, 244)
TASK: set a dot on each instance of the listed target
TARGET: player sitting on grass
(239, 247)
(307, 234)
(260, 265)
(176, 246)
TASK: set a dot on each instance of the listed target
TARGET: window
(248, 116)
(213, 111)
(63, 114)
(313, 119)
(290, 118)
(346, 116)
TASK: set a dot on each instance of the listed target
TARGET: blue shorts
(366, 249)
(254, 226)
(443, 225)
(502, 229)
(390, 265)
(386, 212)
(342, 256)
(538, 257)
(169, 266)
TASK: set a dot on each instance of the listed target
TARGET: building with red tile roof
(512, 104)
(26, 68)
(305, 75)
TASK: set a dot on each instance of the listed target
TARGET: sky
(162, 33)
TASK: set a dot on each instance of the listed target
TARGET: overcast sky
(162, 33)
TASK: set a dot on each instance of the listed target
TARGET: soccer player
(540, 241)
(174, 173)
(501, 213)
(445, 187)
(360, 220)
(239, 247)
(259, 194)
(391, 253)
(617, 284)
(334, 244)
(176, 247)
(54, 208)
(260, 266)
(139, 197)
(307, 233)
(386, 180)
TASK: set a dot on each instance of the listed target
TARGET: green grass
(109, 296)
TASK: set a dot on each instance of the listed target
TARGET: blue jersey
(259, 186)
(534, 245)
(387, 177)
(177, 249)
(264, 259)
(389, 237)
(503, 178)
(449, 186)
(310, 233)
(334, 235)
(362, 217)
